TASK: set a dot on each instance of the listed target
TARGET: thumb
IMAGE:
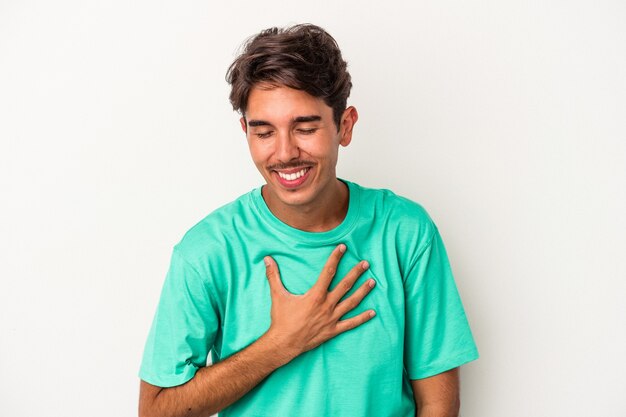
(273, 276)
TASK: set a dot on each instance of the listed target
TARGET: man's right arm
(217, 386)
(298, 323)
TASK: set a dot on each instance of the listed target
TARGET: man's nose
(287, 147)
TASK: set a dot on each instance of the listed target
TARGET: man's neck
(326, 214)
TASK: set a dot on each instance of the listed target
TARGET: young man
(315, 296)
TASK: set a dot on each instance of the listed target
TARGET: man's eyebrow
(304, 119)
(299, 119)
(258, 123)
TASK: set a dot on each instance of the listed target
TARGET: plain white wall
(505, 119)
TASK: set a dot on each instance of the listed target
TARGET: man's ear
(348, 120)
(244, 125)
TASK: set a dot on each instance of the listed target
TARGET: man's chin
(296, 197)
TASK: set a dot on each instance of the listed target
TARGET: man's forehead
(284, 105)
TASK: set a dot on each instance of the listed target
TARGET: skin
(288, 130)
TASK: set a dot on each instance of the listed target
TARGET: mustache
(291, 164)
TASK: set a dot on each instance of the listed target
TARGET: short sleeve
(438, 336)
(183, 329)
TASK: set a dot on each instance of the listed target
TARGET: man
(315, 296)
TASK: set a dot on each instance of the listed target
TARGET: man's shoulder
(213, 231)
(398, 207)
(401, 218)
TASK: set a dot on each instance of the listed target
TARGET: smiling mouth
(293, 179)
(294, 175)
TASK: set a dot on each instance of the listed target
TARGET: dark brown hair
(304, 57)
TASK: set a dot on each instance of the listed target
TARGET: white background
(504, 119)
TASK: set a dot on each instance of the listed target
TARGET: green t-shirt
(216, 299)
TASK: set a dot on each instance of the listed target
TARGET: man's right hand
(303, 322)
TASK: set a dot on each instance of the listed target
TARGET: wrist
(279, 348)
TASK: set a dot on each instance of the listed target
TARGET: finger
(348, 282)
(330, 268)
(273, 276)
(352, 322)
(354, 300)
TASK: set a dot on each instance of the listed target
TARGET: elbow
(148, 405)
(146, 410)
(150, 411)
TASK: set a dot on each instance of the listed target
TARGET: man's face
(294, 144)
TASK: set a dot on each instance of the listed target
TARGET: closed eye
(264, 135)
(307, 131)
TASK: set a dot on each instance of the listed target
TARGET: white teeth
(294, 176)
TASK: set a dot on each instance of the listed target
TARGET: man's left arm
(438, 395)
(438, 339)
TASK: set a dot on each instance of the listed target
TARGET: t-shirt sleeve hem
(443, 366)
(166, 381)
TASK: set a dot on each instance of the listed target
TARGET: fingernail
(267, 261)
(372, 313)
(372, 283)
(365, 265)
(342, 248)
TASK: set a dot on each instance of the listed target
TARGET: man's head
(291, 87)
(303, 57)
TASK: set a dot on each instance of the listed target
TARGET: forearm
(215, 387)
